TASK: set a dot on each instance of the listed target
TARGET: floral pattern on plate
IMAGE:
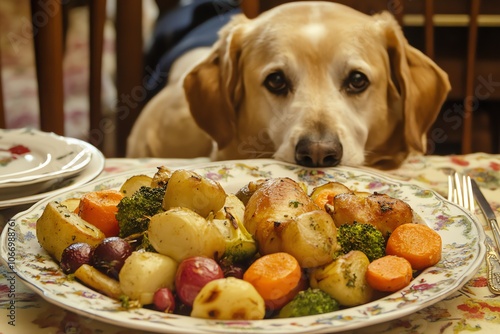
(462, 235)
(37, 156)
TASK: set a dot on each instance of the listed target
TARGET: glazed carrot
(389, 273)
(323, 198)
(417, 243)
(277, 277)
(99, 209)
(325, 193)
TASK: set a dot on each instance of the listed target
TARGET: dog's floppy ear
(421, 84)
(213, 88)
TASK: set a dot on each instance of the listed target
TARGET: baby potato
(145, 272)
(344, 279)
(228, 299)
(382, 211)
(181, 233)
(311, 238)
(190, 190)
(273, 206)
(132, 184)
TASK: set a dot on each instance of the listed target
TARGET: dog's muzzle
(310, 153)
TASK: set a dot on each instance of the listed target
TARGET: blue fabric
(172, 26)
(182, 30)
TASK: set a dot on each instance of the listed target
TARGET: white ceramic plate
(462, 236)
(30, 156)
(91, 171)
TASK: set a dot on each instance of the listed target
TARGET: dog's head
(318, 84)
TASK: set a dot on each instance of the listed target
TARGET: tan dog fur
(316, 46)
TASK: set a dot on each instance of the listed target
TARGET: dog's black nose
(310, 153)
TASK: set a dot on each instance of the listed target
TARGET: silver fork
(460, 191)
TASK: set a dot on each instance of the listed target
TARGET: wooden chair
(49, 41)
(252, 8)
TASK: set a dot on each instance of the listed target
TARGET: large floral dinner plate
(462, 236)
(28, 156)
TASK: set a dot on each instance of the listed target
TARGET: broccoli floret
(309, 302)
(135, 211)
(363, 237)
(146, 244)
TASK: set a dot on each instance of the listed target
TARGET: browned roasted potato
(282, 217)
(247, 190)
(382, 211)
(195, 192)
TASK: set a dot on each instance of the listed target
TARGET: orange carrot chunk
(389, 273)
(417, 243)
(99, 209)
(276, 277)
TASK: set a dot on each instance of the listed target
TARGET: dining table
(471, 308)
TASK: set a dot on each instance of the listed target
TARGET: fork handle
(496, 232)
(493, 268)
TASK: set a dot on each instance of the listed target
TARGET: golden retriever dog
(313, 83)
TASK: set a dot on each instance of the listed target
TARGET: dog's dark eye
(277, 83)
(356, 82)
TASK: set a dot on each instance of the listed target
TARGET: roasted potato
(245, 192)
(145, 272)
(132, 184)
(228, 299)
(311, 238)
(382, 211)
(190, 190)
(58, 227)
(72, 204)
(282, 217)
(344, 279)
(181, 233)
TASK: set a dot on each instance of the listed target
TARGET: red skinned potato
(74, 256)
(110, 255)
(164, 300)
(193, 274)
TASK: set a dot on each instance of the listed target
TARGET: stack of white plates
(35, 164)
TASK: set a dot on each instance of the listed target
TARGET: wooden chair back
(48, 47)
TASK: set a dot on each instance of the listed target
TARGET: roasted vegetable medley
(177, 242)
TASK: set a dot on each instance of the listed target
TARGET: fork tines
(460, 191)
